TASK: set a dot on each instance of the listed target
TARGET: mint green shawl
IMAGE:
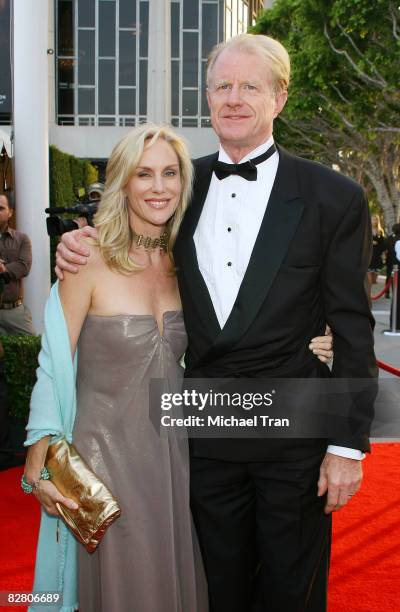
(52, 412)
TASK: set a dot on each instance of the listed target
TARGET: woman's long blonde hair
(379, 228)
(112, 218)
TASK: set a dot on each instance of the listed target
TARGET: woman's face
(154, 189)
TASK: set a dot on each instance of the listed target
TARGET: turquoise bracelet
(28, 488)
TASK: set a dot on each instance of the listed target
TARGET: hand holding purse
(74, 479)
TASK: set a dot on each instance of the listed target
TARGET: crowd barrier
(382, 293)
(388, 367)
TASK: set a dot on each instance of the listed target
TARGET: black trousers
(264, 536)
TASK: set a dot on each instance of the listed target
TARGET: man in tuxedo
(260, 262)
(271, 247)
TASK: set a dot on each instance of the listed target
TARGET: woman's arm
(44, 491)
(75, 295)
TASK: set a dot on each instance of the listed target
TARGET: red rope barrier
(380, 294)
(388, 367)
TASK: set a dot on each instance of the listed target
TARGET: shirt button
(233, 195)
(229, 263)
(229, 229)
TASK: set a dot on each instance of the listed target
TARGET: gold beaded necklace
(149, 243)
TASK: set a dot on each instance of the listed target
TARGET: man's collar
(8, 231)
(224, 157)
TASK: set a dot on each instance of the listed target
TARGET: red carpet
(19, 524)
(365, 570)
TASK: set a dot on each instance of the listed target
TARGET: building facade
(103, 53)
(81, 73)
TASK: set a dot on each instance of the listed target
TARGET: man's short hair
(270, 51)
(396, 229)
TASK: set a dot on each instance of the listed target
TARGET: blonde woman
(124, 309)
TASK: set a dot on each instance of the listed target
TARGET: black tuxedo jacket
(308, 267)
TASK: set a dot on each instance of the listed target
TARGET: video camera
(86, 208)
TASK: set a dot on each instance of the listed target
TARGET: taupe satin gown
(149, 559)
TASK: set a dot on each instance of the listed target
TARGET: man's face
(5, 212)
(242, 101)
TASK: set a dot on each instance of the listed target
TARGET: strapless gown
(149, 559)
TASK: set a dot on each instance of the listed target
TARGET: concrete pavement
(387, 348)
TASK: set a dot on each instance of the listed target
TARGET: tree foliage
(68, 175)
(344, 102)
(20, 363)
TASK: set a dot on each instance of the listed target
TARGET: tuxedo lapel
(185, 249)
(277, 229)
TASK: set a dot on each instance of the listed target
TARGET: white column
(31, 144)
(159, 68)
(51, 43)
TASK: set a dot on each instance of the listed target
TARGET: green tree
(344, 102)
(61, 183)
(77, 169)
(91, 174)
(67, 176)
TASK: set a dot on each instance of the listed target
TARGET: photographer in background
(391, 255)
(15, 263)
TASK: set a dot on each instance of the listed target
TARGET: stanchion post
(381, 293)
(394, 331)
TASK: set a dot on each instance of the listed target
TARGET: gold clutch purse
(75, 480)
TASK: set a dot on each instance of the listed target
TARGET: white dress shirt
(397, 249)
(228, 228)
(226, 234)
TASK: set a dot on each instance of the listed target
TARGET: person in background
(379, 247)
(396, 242)
(15, 264)
(396, 261)
(390, 254)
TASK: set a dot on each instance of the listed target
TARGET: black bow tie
(247, 170)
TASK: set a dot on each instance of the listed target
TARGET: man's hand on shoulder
(341, 478)
(72, 251)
